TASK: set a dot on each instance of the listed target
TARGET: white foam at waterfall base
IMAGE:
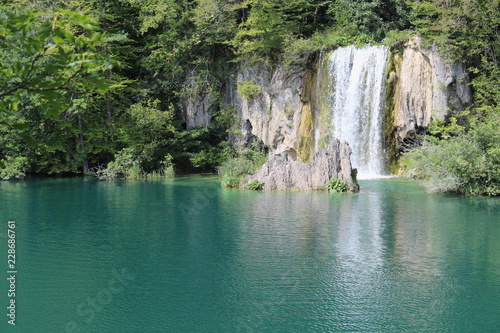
(357, 77)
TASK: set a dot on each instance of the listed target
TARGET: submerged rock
(284, 172)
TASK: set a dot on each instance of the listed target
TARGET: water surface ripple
(187, 255)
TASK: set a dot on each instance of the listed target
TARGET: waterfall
(356, 89)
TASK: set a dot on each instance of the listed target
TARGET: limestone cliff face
(200, 98)
(197, 111)
(273, 114)
(427, 88)
(283, 172)
(283, 115)
(196, 106)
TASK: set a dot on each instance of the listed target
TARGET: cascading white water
(357, 77)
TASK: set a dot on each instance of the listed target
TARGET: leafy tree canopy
(45, 56)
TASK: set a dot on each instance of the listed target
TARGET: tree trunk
(85, 163)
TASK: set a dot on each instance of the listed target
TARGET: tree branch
(61, 86)
(30, 70)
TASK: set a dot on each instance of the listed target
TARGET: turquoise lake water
(186, 255)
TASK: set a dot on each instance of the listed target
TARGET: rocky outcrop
(428, 88)
(197, 111)
(274, 112)
(201, 96)
(282, 114)
(284, 172)
(196, 103)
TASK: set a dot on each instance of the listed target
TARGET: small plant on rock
(254, 185)
(336, 185)
(249, 89)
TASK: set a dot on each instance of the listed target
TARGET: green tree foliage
(267, 26)
(467, 31)
(468, 164)
(47, 57)
(182, 35)
(43, 56)
(373, 18)
(264, 30)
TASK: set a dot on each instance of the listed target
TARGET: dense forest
(96, 86)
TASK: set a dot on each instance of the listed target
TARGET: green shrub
(336, 185)
(254, 185)
(297, 50)
(467, 164)
(248, 89)
(14, 167)
(167, 168)
(128, 165)
(165, 171)
(124, 165)
(398, 36)
(233, 171)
